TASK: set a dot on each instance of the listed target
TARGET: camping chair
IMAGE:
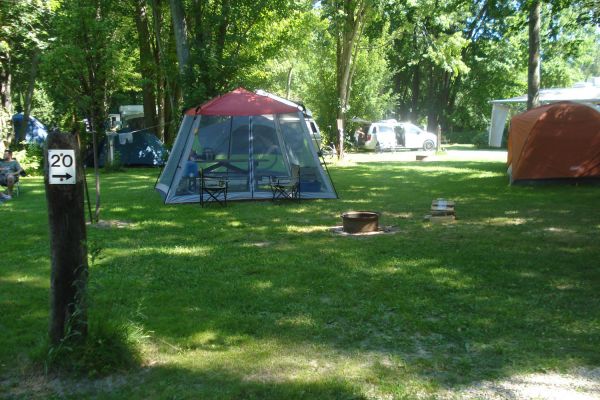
(287, 187)
(215, 187)
(17, 186)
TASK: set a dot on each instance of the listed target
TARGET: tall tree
(23, 38)
(181, 35)
(347, 20)
(85, 64)
(161, 82)
(147, 64)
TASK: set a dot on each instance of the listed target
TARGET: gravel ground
(581, 384)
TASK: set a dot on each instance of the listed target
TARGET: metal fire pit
(360, 221)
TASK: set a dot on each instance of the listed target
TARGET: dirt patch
(580, 384)
(383, 230)
(111, 223)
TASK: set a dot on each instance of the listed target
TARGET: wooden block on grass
(440, 218)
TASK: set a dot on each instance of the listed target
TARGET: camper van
(391, 135)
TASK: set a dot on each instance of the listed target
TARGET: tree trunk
(161, 82)
(347, 38)
(222, 30)
(6, 110)
(416, 86)
(288, 86)
(92, 122)
(146, 64)
(533, 75)
(180, 31)
(29, 95)
(201, 34)
(433, 103)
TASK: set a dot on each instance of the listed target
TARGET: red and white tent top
(242, 102)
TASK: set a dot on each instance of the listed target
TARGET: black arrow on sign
(63, 177)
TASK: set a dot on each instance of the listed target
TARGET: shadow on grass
(510, 287)
(177, 383)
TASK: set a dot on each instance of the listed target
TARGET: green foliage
(110, 347)
(6, 126)
(116, 165)
(570, 53)
(87, 61)
(31, 159)
(461, 137)
(481, 140)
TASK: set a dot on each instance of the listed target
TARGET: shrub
(109, 347)
(116, 165)
(31, 159)
(460, 137)
(481, 140)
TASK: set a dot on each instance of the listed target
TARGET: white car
(390, 135)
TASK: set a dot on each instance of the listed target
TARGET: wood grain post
(68, 247)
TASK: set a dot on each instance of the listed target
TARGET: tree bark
(180, 31)
(69, 269)
(29, 95)
(415, 83)
(222, 30)
(5, 99)
(347, 38)
(146, 63)
(533, 73)
(161, 82)
(416, 86)
(288, 86)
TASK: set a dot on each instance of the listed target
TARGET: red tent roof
(241, 102)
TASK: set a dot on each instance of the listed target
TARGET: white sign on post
(62, 167)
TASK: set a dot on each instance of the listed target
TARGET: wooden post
(63, 179)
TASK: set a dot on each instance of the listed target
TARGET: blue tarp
(36, 131)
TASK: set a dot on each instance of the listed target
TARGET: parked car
(391, 134)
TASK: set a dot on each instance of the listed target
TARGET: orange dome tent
(554, 142)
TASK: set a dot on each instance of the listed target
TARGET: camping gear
(134, 148)
(214, 188)
(36, 132)
(553, 142)
(248, 139)
(287, 188)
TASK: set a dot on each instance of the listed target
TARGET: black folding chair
(215, 187)
(287, 187)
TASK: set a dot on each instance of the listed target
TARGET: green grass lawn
(261, 301)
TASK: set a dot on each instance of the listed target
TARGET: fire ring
(360, 221)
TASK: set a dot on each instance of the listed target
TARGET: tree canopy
(434, 62)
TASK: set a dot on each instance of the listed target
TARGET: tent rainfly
(246, 137)
(135, 148)
(35, 133)
(587, 93)
(555, 142)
